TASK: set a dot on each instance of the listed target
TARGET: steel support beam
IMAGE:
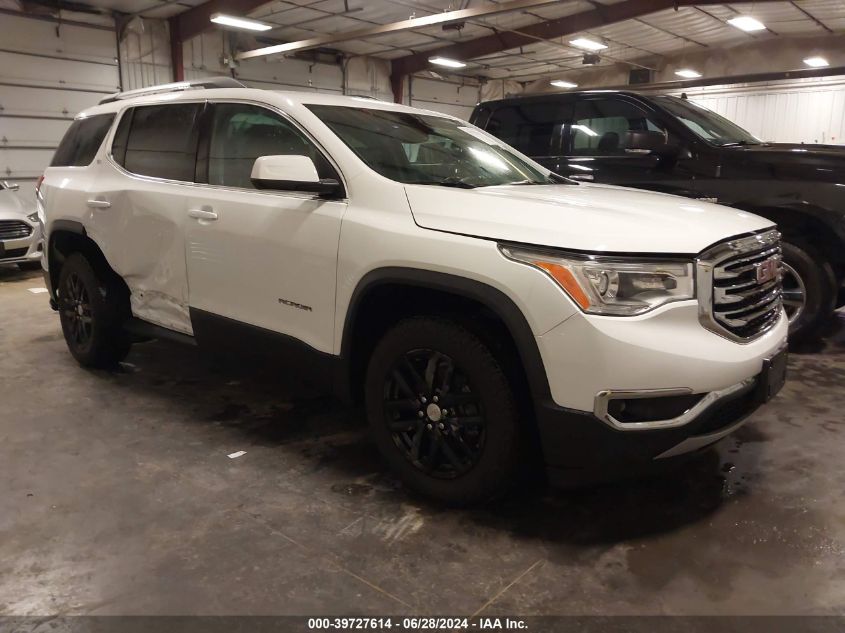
(177, 60)
(568, 25)
(394, 27)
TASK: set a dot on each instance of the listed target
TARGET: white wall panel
(49, 71)
(442, 96)
(798, 111)
(204, 57)
(145, 53)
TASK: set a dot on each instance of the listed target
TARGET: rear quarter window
(82, 140)
(159, 141)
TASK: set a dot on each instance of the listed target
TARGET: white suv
(482, 308)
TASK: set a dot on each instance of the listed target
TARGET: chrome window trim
(190, 183)
(706, 265)
(603, 398)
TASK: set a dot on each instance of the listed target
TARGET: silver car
(20, 230)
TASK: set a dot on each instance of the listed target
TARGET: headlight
(612, 285)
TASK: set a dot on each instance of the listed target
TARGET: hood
(835, 152)
(585, 217)
(789, 161)
(13, 206)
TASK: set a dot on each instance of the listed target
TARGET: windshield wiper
(739, 143)
(446, 182)
(451, 183)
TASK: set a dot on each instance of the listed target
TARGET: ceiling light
(816, 62)
(560, 83)
(688, 73)
(746, 23)
(588, 45)
(445, 61)
(240, 23)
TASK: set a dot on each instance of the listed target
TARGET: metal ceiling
(658, 34)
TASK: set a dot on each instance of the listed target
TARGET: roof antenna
(684, 95)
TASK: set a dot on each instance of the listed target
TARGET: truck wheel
(809, 290)
(92, 311)
(442, 411)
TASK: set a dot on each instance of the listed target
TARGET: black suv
(672, 145)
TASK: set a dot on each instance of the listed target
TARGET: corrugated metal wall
(796, 111)
(49, 71)
(448, 97)
(145, 54)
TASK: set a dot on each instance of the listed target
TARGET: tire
(806, 269)
(92, 310)
(466, 456)
(27, 266)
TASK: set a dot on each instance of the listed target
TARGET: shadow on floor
(11, 272)
(832, 337)
(262, 409)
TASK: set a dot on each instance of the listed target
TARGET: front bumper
(27, 249)
(579, 448)
(594, 363)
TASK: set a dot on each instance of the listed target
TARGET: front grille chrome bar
(737, 296)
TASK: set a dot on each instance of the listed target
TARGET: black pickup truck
(670, 144)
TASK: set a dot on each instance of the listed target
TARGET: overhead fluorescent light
(445, 61)
(560, 83)
(816, 62)
(746, 23)
(688, 73)
(240, 23)
(588, 45)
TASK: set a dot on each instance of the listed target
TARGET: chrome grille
(739, 286)
(14, 230)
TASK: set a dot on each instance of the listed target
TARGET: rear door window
(159, 141)
(532, 128)
(82, 140)
(600, 126)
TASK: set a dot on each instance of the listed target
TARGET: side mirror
(11, 186)
(291, 173)
(647, 142)
(656, 143)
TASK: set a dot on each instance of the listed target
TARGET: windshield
(428, 150)
(707, 124)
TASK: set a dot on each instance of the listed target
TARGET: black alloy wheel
(75, 305)
(442, 410)
(436, 419)
(93, 307)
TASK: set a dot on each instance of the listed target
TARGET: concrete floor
(118, 497)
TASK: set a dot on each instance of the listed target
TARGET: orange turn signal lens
(567, 281)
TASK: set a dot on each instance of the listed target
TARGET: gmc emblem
(766, 271)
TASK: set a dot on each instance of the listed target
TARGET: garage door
(49, 71)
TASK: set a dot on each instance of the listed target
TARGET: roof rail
(208, 82)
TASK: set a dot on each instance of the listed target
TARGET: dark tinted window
(159, 141)
(532, 128)
(241, 133)
(600, 126)
(427, 150)
(82, 140)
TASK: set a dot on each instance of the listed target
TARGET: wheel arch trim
(488, 296)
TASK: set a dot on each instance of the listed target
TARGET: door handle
(202, 214)
(99, 203)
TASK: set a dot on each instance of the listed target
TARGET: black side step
(145, 329)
